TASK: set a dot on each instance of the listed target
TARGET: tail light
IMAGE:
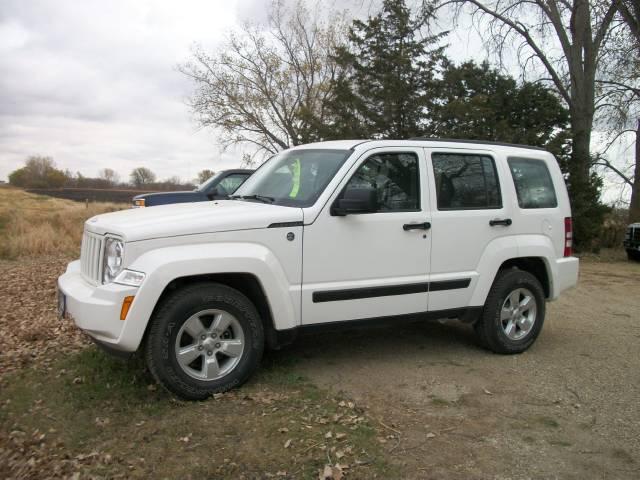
(568, 237)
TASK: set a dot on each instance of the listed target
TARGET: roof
(477, 142)
(332, 144)
(417, 141)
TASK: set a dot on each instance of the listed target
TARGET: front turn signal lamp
(138, 203)
(126, 305)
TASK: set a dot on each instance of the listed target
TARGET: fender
(165, 264)
(542, 247)
(495, 254)
(506, 248)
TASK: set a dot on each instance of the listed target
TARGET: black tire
(489, 327)
(633, 255)
(173, 313)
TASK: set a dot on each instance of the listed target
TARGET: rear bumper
(566, 275)
(96, 309)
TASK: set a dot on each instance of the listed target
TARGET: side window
(231, 183)
(394, 177)
(466, 181)
(533, 183)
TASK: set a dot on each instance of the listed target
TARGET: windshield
(204, 186)
(294, 178)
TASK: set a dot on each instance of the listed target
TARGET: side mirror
(355, 200)
(213, 194)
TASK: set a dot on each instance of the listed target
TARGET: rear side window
(466, 181)
(533, 183)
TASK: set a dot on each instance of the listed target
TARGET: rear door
(469, 213)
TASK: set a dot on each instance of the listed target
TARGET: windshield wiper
(260, 198)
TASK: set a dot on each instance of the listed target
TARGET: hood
(191, 218)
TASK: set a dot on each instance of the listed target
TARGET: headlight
(139, 203)
(112, 260)
(130, 277)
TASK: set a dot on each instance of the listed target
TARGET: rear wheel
(633, 255)
(205, 338)
(513, 313)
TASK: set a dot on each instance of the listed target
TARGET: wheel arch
(246, 283)
(248, 267)
(537, 266)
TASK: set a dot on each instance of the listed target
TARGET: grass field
(34, 225)
(67, 410)
(92, 415)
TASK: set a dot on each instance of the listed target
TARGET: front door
(373, 264)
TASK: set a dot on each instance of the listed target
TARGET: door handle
(505, 222)
(416, 226)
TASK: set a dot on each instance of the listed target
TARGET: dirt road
(567, 408)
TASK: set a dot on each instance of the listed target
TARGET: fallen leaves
(33, 455)
(331, 472)
(31, 330)
(102, 422)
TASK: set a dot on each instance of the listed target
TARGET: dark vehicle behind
(632, 241)
(218, 187)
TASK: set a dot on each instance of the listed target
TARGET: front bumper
(96, 309)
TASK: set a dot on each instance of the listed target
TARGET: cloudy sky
(93, 83)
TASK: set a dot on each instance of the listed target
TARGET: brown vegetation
(34, 225)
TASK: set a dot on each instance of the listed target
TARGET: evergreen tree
(479, 103)
(386, 81)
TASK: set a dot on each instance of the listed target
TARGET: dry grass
(34, 225)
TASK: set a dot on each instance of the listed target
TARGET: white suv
(340, 233)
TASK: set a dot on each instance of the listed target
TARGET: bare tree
(619, 99)
(565, 38)
(109, 176)
(630, 12)
(267, 87)
(204, 175)
(142, 176)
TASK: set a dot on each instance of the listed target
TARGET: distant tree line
(42, 172)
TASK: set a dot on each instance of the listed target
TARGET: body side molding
(386, 291)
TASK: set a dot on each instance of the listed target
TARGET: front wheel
(204, 339)
(513, 313)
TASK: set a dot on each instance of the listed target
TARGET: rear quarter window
(533, 183)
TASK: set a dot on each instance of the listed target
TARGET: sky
(93, 83)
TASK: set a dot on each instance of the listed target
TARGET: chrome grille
(91, 257)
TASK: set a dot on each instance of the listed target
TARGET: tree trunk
(581, 122)
(634, 207)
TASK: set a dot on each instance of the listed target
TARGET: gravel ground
(567, 408)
